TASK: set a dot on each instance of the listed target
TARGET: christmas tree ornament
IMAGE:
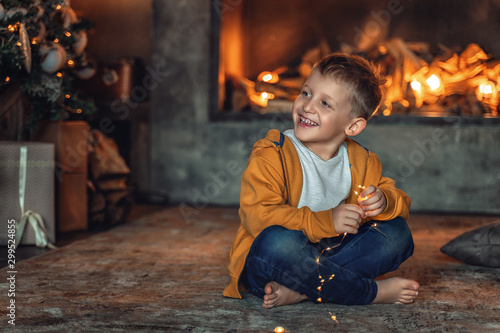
(110, 76)
(53, 57)
(25, 47)
(80, 42)
(87, 71)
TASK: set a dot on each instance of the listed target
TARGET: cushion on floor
(480, 246)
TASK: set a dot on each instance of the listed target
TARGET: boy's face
(321, 115)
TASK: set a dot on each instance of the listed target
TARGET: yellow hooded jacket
(271, 187)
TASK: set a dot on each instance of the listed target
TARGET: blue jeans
(290, 259)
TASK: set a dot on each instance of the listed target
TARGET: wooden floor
(26, 252)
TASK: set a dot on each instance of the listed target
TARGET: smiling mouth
(306, 121)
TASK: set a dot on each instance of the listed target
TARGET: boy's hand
(372, 201)
(347, 218)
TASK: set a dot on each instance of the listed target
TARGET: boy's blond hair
(361, 79)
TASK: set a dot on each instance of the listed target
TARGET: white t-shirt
(326, 184)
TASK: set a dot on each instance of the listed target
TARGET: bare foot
(396, 290)
(278, 295)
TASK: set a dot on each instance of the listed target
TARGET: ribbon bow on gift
(35, 220)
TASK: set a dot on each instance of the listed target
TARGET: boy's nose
(308, 106)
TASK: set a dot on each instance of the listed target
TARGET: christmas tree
(43, 51)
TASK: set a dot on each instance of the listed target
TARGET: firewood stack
(110, 198)
(420, 80)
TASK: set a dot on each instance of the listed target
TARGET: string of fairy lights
(358, 189)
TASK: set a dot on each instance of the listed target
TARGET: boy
(306, 232)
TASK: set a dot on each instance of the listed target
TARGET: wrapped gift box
(39, 187)
(71, 155)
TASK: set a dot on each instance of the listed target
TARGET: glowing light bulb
(59, 74)
(279, 329)
(58, 7)
(268, 77)
(486, 89)
(433, 82)
(415, 85)
(11, 28)
(67, 96)
(67, 34)
(319, 299)
(7, 79)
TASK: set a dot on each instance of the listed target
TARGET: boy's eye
(306, 94)
(325, 103)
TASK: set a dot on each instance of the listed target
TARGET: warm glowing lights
(67, 34)
(11, 28)
(79, 110)
(56, 40)
(415, 85)
(7, 79)
(279, 329)
(486, 89)
(266, 95)
(59, 74)
(67, 96)
(433, 82)
(71, 63)
(360, 188)
(58, 7)
(19, 44)
(268, 77)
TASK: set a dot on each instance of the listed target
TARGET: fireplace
(200, 144)
(440, 57)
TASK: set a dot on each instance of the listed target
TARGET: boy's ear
(357, 126)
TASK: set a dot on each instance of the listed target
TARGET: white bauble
(53, 58)
(86, 73)
(80, 43)
(89, 69)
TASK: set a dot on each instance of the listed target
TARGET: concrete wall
(451, 166)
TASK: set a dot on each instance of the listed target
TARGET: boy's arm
(263, 202)
(398, 202)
